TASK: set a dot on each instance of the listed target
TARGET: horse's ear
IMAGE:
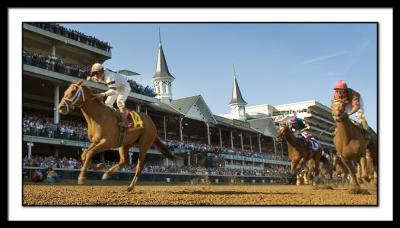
(80, 82)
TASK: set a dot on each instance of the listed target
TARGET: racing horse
(351, 142)
(299, 153)
(103, 131)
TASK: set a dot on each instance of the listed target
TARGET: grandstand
(54, 56)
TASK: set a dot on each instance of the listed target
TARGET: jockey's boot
(364, 124)
(365, 127)
(123, 121)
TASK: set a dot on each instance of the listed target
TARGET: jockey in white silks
(118, 85)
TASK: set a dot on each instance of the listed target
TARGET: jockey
(299, 130)
(352, 100)
(118, 85)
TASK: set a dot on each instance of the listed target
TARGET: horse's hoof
(105, 176)
(81, 180)
(129, 189)
(355, 191)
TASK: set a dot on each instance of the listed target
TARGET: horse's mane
(91, 93)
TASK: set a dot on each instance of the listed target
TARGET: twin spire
(162, 80)
(237, 98)
(162, 71)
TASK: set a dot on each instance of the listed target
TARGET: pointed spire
(159, 36)
(162, 67)
(236, 94)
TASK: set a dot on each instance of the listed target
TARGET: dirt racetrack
(100, 194)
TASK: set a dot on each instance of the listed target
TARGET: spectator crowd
(56, 64)
(72, 34)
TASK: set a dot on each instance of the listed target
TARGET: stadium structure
(54, 56)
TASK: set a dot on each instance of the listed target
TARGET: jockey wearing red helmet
(352, 99)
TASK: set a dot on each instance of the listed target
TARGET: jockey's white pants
(121, 95)
(360, 112)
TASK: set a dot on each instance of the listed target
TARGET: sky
(275, 63)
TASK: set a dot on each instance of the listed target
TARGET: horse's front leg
(83, 156)
(123, 159)
(101, 146)
(349, 166)
(295, 170)
(364, 172)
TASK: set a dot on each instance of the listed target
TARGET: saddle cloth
(134, 119)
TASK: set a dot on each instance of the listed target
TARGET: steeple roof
(236, 94)
(162, 71)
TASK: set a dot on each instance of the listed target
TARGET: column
(220, 137)
(281, 150)
(259, 143)
(180, 128)
(241, 140)
(30, 145)
(53, 50)
(275, 151)
(56, 152)
(188, 158)
(208, 133)
(167, 87)
(251, 144)
(165, 128)
(130, 158)
(137, 107)
(56, 115)
(231, 140)
(146, 110)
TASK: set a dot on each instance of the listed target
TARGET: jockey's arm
(355, 102)
(94, 79)
(110, 92)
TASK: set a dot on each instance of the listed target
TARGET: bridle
(71, 102)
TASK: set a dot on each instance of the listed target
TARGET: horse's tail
(163, 149)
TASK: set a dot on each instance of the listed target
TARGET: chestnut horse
(104, 131)
(351, 143)
(340, 169)
(299, 153)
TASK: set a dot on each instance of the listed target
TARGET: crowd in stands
(138, 88)
(72, 34)
(199, 148)
(56, 64)
(40, 124)
(54, 163)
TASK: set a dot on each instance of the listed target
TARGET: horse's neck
(290, 139)
(343, 128)
(93, 111)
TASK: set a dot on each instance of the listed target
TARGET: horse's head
(283, 130)
(73, 97)
(338, 109)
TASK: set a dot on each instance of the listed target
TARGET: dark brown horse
(299, 153)
(103, 131)
(352, 144)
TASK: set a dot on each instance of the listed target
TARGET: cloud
(330, 73)
(322, 58)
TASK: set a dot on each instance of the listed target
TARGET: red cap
(340, 85)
